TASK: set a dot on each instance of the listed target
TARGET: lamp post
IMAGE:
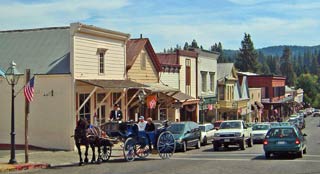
(12, 77)
(142, 95)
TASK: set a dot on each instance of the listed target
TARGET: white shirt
(142, 125)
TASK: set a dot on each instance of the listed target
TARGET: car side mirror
(304, 135)
(245, 127)
(217, 128)
(188, 132)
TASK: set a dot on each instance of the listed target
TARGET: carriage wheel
(106, 153)
(142, 152)
(166, 145)
(129, 150)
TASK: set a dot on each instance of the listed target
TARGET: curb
(24, 166)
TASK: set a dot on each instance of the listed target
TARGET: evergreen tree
(309, 84)
(186, 46)
(314, 68)
(194, 44)
(264, 68)
(247, 58)
(286, 67)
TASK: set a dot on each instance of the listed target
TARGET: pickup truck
(233, 132)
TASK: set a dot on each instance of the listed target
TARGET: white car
(207, 133)
(259, 131)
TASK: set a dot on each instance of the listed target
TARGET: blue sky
(167, 23)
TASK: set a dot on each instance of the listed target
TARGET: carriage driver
(116, 114)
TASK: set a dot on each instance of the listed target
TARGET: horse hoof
(86, 160)
(81, 164)
(92, 162)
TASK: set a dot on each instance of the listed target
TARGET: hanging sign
(152, 101)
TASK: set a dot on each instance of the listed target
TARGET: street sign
(216, 106)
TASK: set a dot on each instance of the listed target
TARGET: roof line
(35, 29)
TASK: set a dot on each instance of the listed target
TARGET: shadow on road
(276, 157)
(223, 149)
(76, 164)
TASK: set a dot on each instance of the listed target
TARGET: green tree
(286, 67)
(186, 46)
(310, 86)
(314, 68)
(194, 44)
(264, 68)
(247, 57)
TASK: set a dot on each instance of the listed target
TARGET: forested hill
(278, 50)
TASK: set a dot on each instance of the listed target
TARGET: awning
(113, 84)
(180, 96)
(158, 87)
(254, 107)
(259, 104)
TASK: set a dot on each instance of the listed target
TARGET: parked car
(233, 132)
(186, 134)
(316, 113)
(207, 133)
(285, 139)
(304, 112)
(294, 121)
(285, 124)
(259, 132)
(274, 124)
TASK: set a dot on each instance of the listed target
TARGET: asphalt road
(205, 160)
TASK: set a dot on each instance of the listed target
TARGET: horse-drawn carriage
(137, 143)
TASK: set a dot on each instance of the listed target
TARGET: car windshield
(176, 128)
(230, 125)
(202, 128)
(260, 127)
(285, 124)
(281, 133)
(274, 124)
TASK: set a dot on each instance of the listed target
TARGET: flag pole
(26, 120)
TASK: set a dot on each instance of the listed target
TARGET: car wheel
(304, 150)
(267, 155)
(198, 144)
(184, 148)
(250, 142)
(204, 141)
(242, 144)
(216, 146)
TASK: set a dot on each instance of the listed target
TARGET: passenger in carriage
(142, 124)
(150, 127)
(116, 114)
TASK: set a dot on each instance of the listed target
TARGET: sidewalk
(46, 159)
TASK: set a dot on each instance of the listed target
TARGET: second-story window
(101, 56)
(101, 63)
(188, 76)
(204, 81)
(211, 81)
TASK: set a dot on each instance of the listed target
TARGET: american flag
(29, 90)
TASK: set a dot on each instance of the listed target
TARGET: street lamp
(142, 95)
(201, 102)
(12, 77)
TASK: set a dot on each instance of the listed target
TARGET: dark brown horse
(87, 135)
